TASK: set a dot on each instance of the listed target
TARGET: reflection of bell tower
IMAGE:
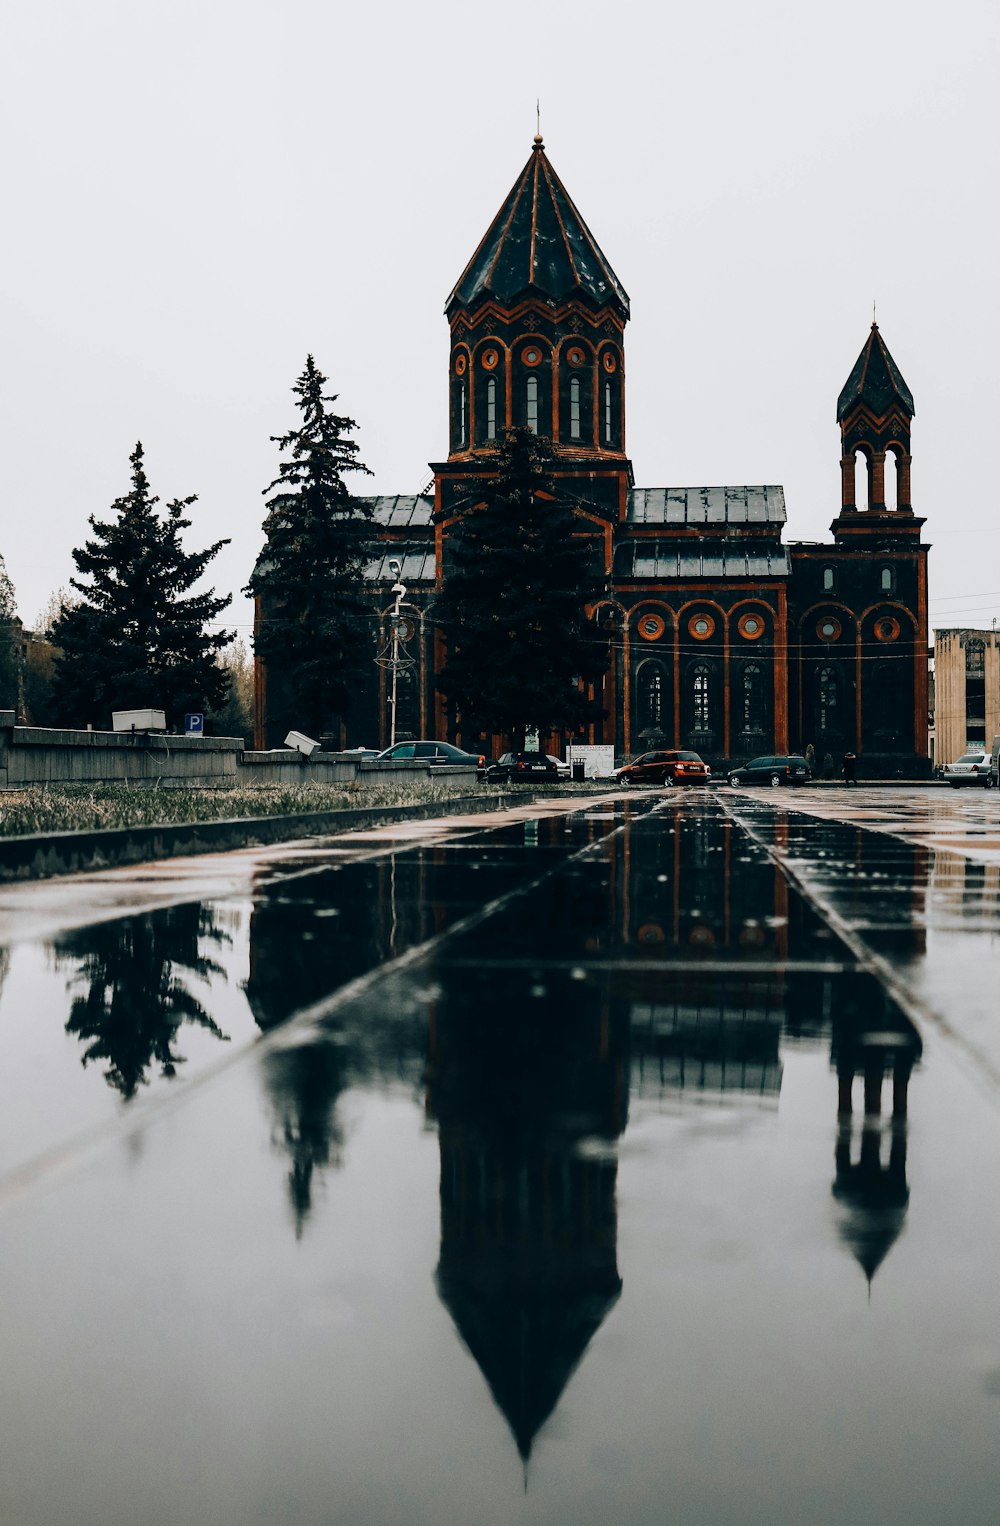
(870, 1183)
(527, 1113)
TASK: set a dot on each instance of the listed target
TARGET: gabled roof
(538, 242)
(876, 380)
(707, 505)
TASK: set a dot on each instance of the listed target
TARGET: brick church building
(722, 637)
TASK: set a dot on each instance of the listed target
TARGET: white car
(970, 768)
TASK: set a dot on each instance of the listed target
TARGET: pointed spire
(876, 381)
(538, 242)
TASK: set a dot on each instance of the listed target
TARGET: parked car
(524, 765)
(435, 753)
(971, 768)
(786, 768)
(666, 768)
(563, 767)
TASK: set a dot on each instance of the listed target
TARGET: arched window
(652, 701)
(608, 421)
(828, 696)
(753, 698)
(491, 408)
(531, 400)
(701, 709)
(461, 413)
(890, 490)
(828, 580)
(888, 580)
(574, 408)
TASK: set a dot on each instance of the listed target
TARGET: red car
(667, 768)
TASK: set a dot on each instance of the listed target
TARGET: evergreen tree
(10, 633)
(516, 580)
(316, 626)
(137, 637)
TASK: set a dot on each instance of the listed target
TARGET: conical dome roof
(876, 380)
(538, 242)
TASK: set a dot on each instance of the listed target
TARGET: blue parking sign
(194, 724)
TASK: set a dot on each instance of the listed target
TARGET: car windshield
(970, 757)
(688, 757)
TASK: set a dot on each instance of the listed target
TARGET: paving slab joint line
(288, 1034)
(919, 1012)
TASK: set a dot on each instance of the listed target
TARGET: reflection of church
(528, 1114)
(721, 636)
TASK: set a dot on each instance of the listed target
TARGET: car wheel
(735, 779)
(775, 780)
(668, 781)
(626, 781)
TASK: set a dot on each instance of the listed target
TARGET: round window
(575, 356)
(751, 627)
(828, 629)
(490, 359)
(460, 365)
(887, 629)
(531, 356)
(701, 627)
(651, 627)
(609, 362)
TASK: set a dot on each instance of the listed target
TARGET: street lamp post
(400, 592)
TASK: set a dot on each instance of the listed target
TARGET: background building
(967, 688)
(722, 637)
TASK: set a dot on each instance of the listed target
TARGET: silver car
(971, 768)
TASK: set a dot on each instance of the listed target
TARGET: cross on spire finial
(538, 124)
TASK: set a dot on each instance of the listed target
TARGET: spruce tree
(9, 642)
(137, 637)
(315, 630)
(516, 580)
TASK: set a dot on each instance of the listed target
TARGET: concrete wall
(33, 755)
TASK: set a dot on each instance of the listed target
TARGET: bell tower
(537, 321)
(874, 411)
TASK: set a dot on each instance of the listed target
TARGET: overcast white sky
(196, 194)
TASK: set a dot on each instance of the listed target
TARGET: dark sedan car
(435, 753)
(665, 767)
(522, 766)
(786, 768)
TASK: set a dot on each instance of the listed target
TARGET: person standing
(849, 762)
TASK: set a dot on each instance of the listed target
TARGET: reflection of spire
(873, 1196)
(874, 1040)
(527, 1113)
(135, 999)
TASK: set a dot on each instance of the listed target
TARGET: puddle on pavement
(635, 1190)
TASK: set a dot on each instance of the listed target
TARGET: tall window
(574, 408)
(827, 579)
(607, 413)
(887, 580)
(461, 413)
(531, 394)
(753, 698)
(702, 710)
(491, 408)
(650, 698)
(829, 694)
(975, 694)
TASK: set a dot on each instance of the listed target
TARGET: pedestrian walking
(849, 762)
(810, 757)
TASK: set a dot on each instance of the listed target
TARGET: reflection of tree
(135, 995)
(304, 1083)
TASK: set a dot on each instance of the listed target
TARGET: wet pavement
(626, 1160)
